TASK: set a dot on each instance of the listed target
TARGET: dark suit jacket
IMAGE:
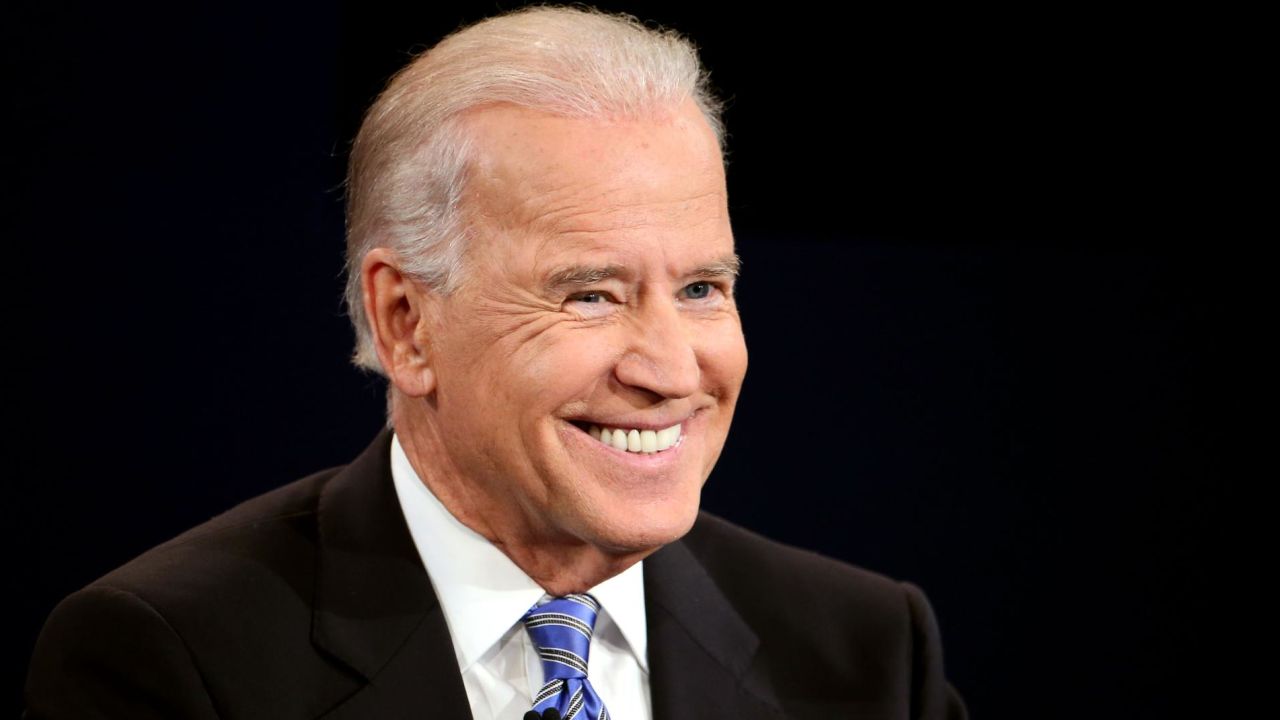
(311, 601)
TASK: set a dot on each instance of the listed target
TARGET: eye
(592, 304)
(698, 290)
(592, 296)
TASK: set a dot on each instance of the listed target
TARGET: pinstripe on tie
(561, 630)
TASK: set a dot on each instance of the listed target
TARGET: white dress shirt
(484, 595)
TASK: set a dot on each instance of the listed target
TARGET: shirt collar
(482, 592)
(622, 600)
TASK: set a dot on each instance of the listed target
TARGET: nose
(661, 357)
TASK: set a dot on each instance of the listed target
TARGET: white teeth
(637, 441)
(648, 441)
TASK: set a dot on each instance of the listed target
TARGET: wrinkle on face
(519, 359)
(518, 172)
(580, 216)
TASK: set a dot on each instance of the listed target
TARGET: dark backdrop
(977, 292)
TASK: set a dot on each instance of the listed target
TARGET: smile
(633, 440)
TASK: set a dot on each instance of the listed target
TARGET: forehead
(573, 185)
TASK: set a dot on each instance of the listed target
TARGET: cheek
(565, 367)
(723, 353)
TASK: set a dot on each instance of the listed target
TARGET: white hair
(409, 160)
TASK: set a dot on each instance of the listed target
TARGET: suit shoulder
(259, 538)
(717, 540)
(747, 566)
(224, 609)
(828, 624)
(213, 622)
(107, 651)
(296, 498)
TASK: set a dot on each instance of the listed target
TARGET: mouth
(641, 441)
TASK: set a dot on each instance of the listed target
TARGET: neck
(557, 561)
(563, 570)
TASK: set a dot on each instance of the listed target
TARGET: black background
(980, 293)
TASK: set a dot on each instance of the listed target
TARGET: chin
(642, 529)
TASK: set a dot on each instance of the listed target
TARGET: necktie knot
(561, 631)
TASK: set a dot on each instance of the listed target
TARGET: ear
(399, 310)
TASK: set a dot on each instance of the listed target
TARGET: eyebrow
(575, 276)
(729, 266)
(579, 276)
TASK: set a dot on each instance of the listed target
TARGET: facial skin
(598, 291)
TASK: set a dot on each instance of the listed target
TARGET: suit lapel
(375, 611)
(376, 614)
(700, 649)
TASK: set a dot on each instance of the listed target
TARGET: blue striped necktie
(561, 630)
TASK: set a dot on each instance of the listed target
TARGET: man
(541, 263)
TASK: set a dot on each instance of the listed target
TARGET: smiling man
(594, 320)
(541, 264)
